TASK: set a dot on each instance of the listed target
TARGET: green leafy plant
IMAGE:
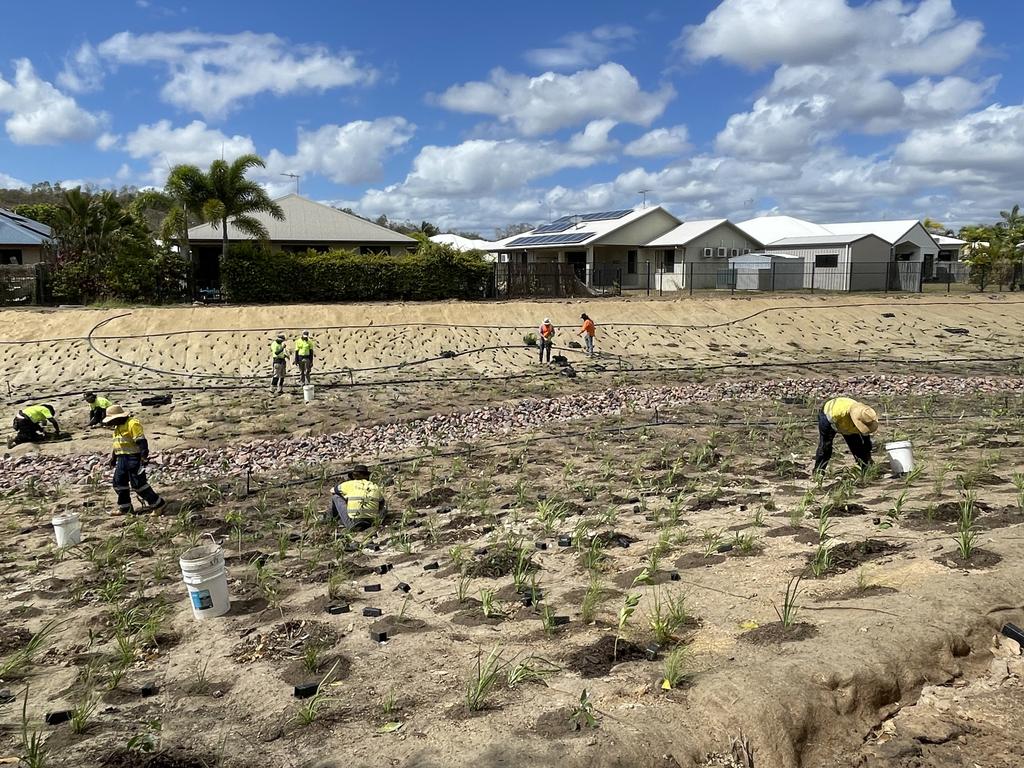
(666, 616)
(966, 536)
(83, 711)
(625, 614)
(529, 670)
(14, 664)
(487, 603)
(582, 715)
(309, 710)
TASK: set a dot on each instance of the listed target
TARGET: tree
(500, 233)
(936, 227)
(1012, 221)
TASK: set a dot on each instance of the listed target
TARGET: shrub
(251, 273)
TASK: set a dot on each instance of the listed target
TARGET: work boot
(160, 504)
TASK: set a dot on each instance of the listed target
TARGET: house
(460, 243)
(766, 272)
(693, 253)
(306, 225)
(845, 262)
(603, 247)
(22, 240)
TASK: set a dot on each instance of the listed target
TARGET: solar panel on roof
(605, 215)
(572, 237)
(555, 226)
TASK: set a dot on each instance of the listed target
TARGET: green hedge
(252, 274)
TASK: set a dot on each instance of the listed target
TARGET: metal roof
(689, 231)
(461, 243)
(821, 240)
(768, 229)
(890, 231)
(19, 230)
(307, 221)
(594, 229)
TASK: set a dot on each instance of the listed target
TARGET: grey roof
(307, 221)
(820, 240)
(18, 230)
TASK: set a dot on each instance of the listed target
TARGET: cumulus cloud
(348, 154)
(39, 113)
(548, 102)
(212, 73)
(83, 70)
(10, 182)
(594, 139)
(660, 142)
(583, 49)
(165, 146)
(987, 144)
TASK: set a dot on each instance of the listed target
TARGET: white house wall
(705, 268)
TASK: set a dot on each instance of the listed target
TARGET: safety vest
(837, 411)
(362, 498)
(38, 413)
(100, 402)
(588, 327)
(547, 331)
(278, 350)
(127, 436)
(304, 348)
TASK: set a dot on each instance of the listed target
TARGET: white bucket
(202, 570)
(307, 393)
(67, 529)
(901, 456)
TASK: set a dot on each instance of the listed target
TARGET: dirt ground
(611, 587)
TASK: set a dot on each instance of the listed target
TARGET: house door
(929, 266)
(578, 259)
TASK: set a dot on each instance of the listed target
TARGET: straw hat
(864, 419)
(114, 413)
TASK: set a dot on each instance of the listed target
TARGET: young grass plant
(666, 617)
(592, 598)
(34, 752)
(482, 682)
(789, 604)
(966, 536)
(675, 669)
(309, 710)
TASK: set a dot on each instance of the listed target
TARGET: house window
(946, 255)
(721, 252)
(630, 262)
(668, 260)
(10, 256)
(366, 250)
(826, 260)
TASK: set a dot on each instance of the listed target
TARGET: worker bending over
(30, 424)
(304, 358)
(97, 408)
(358, 502)
(587, 332)
(129, 459)
(855, 421)
(547, 336)
(279, 358)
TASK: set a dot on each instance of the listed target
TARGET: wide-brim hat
(547, 321)
(359, 469)
(114, 413)
(864, 419)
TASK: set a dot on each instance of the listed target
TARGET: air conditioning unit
(709, 251)
(735, 252)
(722, 252)
(746, 251)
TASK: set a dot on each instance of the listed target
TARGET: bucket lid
(201, 555)
(897, 445)
(64, 517)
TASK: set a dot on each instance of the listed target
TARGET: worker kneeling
(30, 424)
(129, 458)
(855, 421)
(358, 502)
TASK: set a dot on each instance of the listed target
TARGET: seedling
(387, 704)
(967, 536)
(547, 619)
(530, 670)
(822, 558)
(200, 677)
(644, 577)
(789, 604)
(34, 752)
(675, 668)
(83, 711)
(591, 599)
(625, 614)
(582, 715)
(1018, 482)
(309, 710)
(462, 588)
(666, 618)
(482, 682)
(487, 604)
(311, 656)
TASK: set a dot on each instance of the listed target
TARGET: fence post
(689, 278)
(949, 281)
(648, 269)
(732, 281)
(920, 278)
(773, 277)
(814, 269)
(888, 275)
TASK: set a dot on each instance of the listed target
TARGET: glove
(112, 462)
(144, 460)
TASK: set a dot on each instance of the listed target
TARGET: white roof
(821, 240)
(686, 232)
(307, 221)
(593, 231)
(944, 240)
(461, 243)
(768, 229)
(890, 231)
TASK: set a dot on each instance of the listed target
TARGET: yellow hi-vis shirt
(362, 498)
(127, 436)
(838, 412)
(303, 347)
(278, 350)
(100, 402)
(38, 413)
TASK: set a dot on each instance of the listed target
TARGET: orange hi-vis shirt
(547, 331)
(588, 327)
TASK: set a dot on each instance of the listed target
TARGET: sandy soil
(890, 662)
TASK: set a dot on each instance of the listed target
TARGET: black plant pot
(306, 690)
(432, 566)
(651, 651)
(675, 576)
(373, 612)
(565, 541)
(371, 588)
(335, 608)
(148, 689)
(1014, 632)
(403, 587)
(58, 717)
(559, 621)
(378, 637)
(542, 545)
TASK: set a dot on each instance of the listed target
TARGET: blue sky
(475, 115)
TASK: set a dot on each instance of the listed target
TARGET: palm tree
(1011, 219)
(188, 189)
(230, 197)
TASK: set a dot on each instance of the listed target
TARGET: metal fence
(556, 281)
(21, 286)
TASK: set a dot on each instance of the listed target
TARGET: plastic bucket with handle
(307, 393)
(901, 456)
(202, 570)
(67, 529)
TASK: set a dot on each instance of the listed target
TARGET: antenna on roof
(294, 177)
(644, 193)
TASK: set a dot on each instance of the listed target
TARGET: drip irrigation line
(461, 326)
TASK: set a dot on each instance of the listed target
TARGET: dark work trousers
(305, 369)
(96, 416)
(27, 431)
(860, 445)
(129, 475)
(545, 345)
(277, 382)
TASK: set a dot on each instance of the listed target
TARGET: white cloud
(107, 141)
(39, 113)
(165, 146)
(548, 102)
(83, 70)
(582, 49)
(593, 139)
(10, 182)
(348, 154)
(212, 73)
(988, 144)
(660, 142)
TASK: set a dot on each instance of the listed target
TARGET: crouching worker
(358, 503)
(129, 459)
(855, 421)
(30, 424)
(97, 408)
